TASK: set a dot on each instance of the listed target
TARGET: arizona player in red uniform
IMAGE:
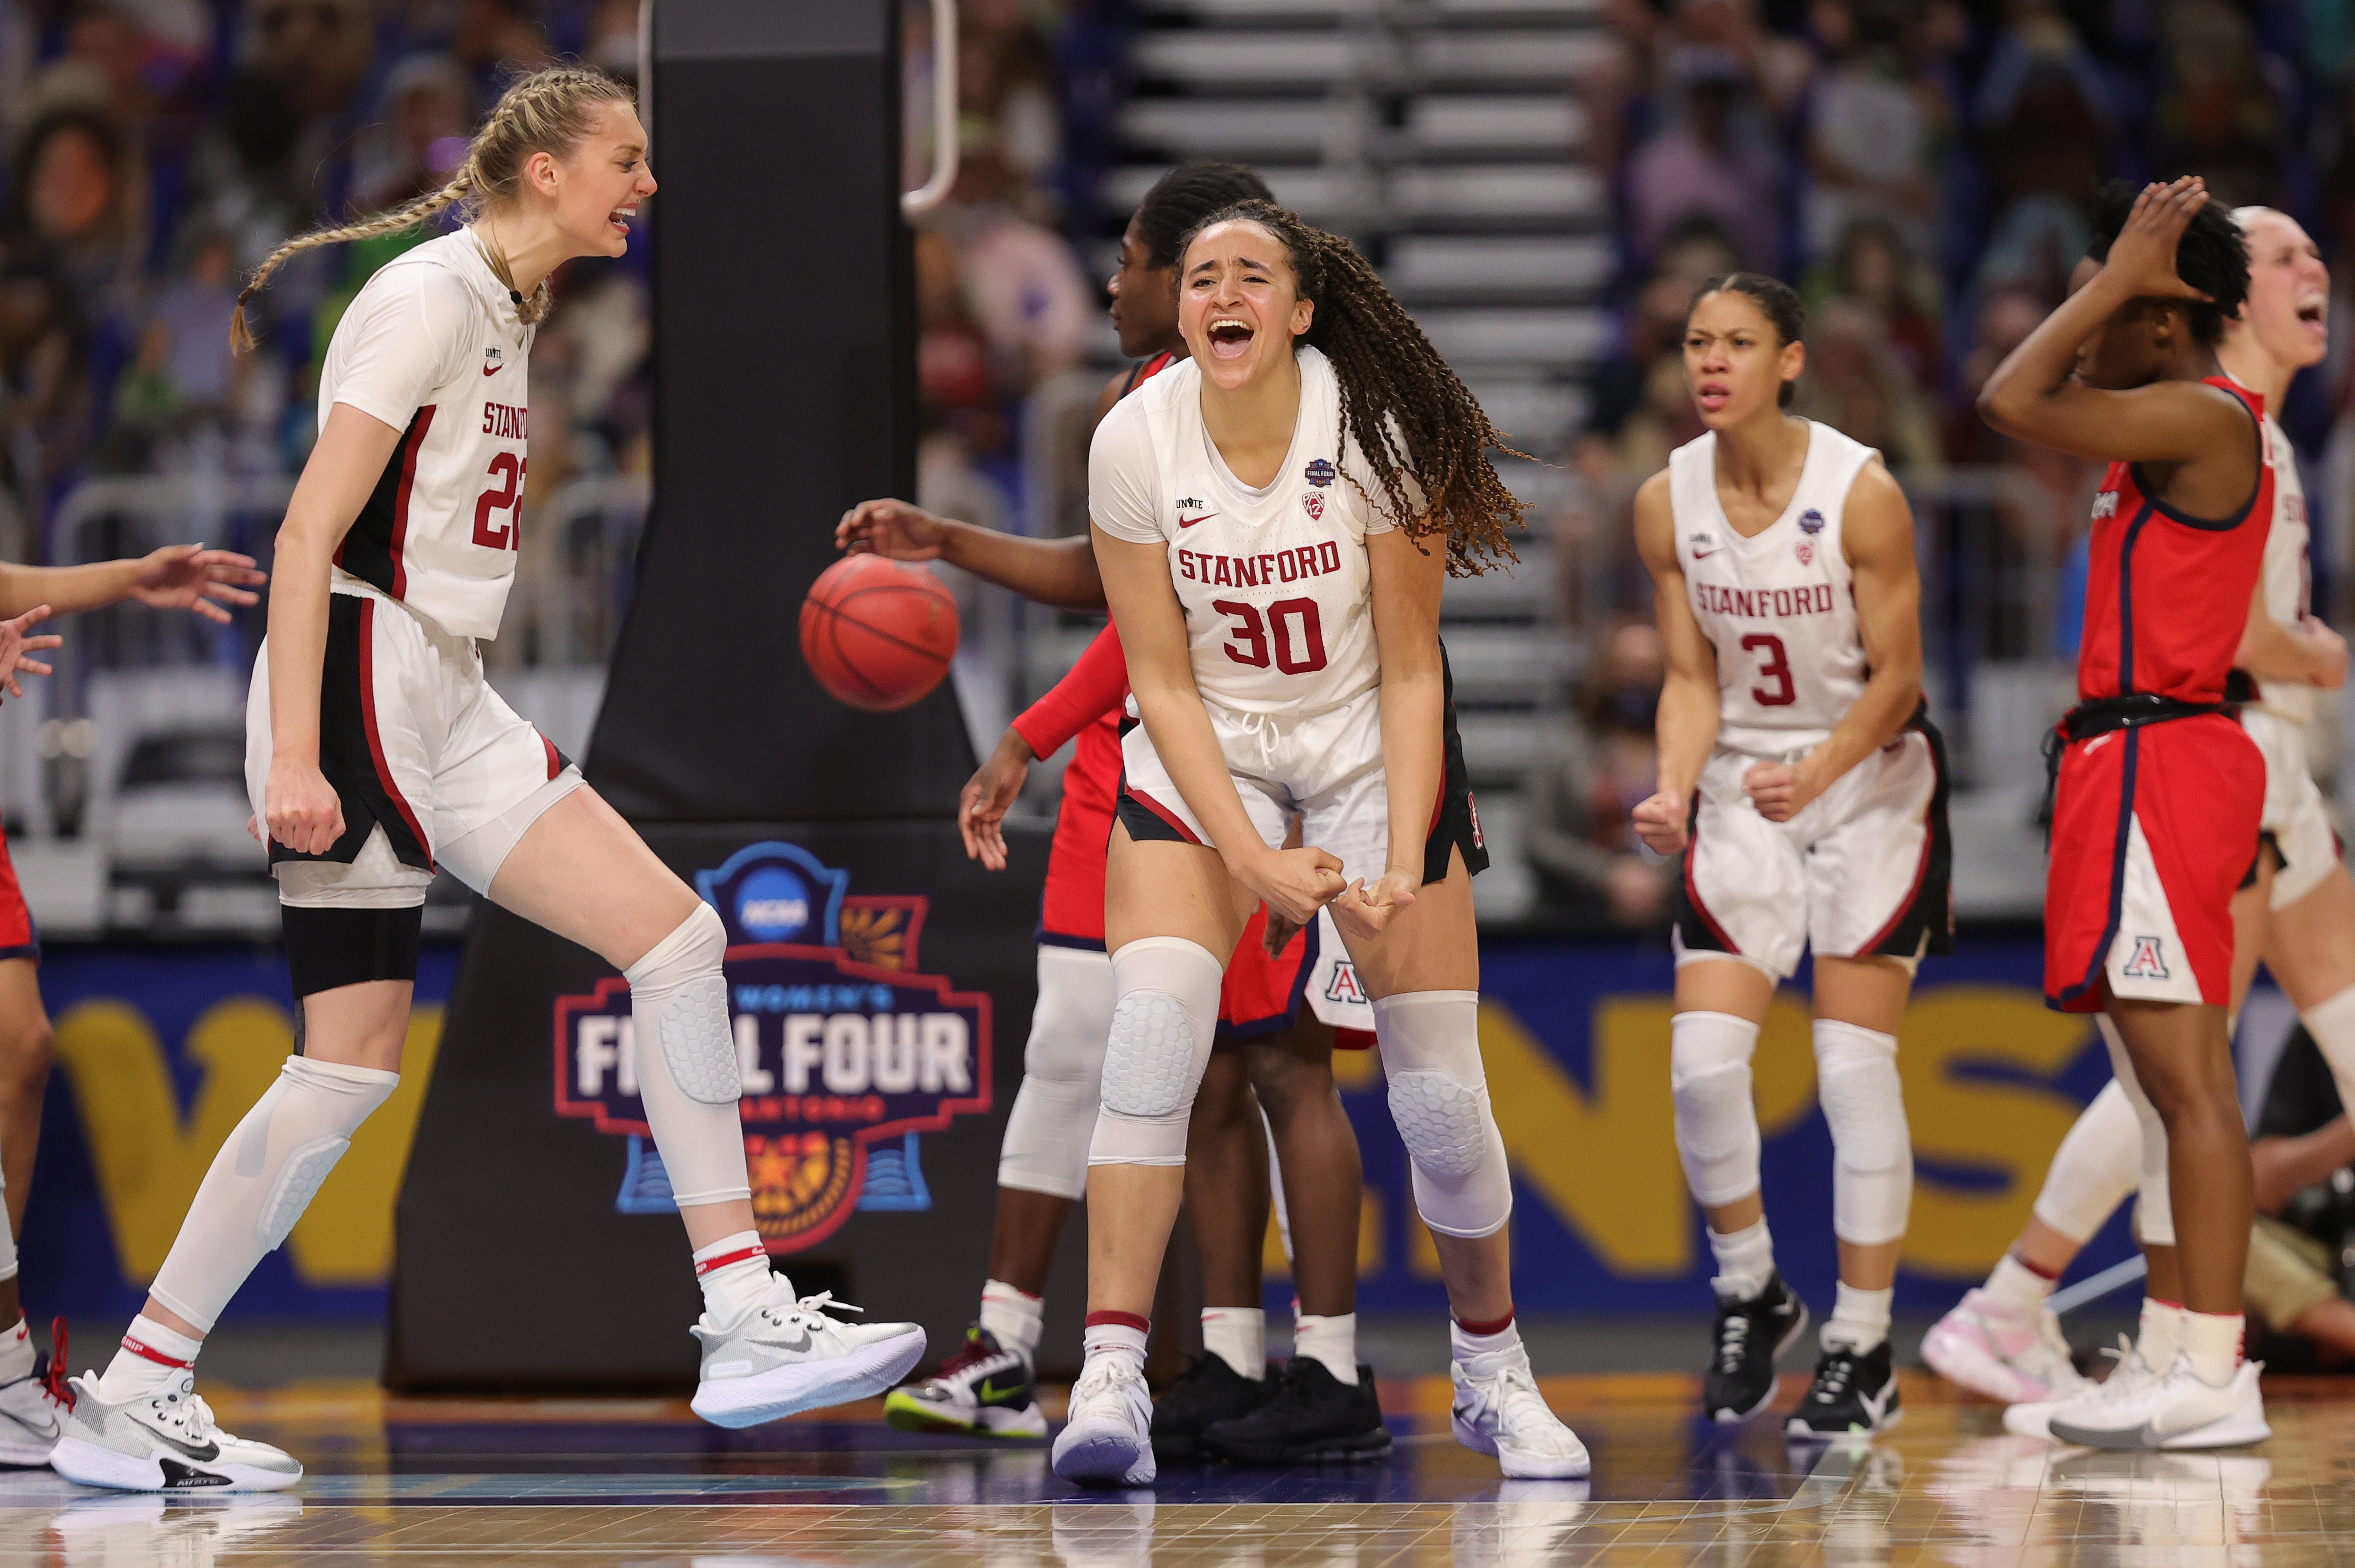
(2159, 792)
(1272, 1043)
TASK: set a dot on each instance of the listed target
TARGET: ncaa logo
(2150, 960)
(772, 905)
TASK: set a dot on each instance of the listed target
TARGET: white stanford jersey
(1274, 583)
(1779, 606)
(433, 347)
(2286, 575)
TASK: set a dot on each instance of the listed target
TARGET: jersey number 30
(1776, 667)
(505, 495)
(1293, 626)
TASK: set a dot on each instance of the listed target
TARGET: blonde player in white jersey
(1274, 519)
(376, 751)
(2298, 915)
(1806, 792)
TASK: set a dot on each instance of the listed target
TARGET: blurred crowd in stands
(1921, 168)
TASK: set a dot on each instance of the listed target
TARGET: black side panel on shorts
(1458, 823)
(347, 755)
(371, 551)
(1930, 912)
(1695, 931)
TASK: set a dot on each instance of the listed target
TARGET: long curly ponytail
(550, 110)
(1396, 392)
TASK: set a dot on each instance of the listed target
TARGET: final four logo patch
(1811, 522)
(1320, 472)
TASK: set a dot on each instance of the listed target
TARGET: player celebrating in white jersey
(1806, 791)
(1260, 514)
(2300, 916)
(375, 751)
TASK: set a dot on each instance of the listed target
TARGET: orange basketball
(879, 634)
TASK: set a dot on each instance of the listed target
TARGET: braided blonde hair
(550, 110)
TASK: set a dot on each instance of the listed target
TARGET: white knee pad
(1054, 1116)
(2096, 1167)
(688, 1078)
(1439, 1097)
(1872, 1151)
(1162, 1022)
(2155, 1216)
(263, 1179)
(1717, 1121)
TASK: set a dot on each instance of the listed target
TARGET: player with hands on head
(2159, 794)
(2001, 1339)
(375, 753)
(1804, 788)
(1274, 519)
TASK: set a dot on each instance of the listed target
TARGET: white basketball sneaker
(1108, 1439)
(2016, 1357)
(2033, 1418)
(163, 1443)
(787, 1355)
(1499, 1410)
(33, 1414)
(2176, 1411)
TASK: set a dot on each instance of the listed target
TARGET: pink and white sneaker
(2016, 1357)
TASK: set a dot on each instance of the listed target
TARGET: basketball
(879, 634)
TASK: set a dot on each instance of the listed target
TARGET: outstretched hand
(893, 530)
(191, 577)
(988, 795)
(15, 644)
(2143, 255)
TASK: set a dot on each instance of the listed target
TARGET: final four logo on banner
(848, 1053)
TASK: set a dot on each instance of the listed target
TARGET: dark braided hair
(1181, 200)
(1415, 423)
(2212, 257)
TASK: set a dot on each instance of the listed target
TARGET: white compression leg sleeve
(2155, 1220)
(263, 1179)
(688, 1078)
(1430, 1042)
(1716, 1122)
(2096, 1167)
(1161, 1028)
(1054, 1116)
(1872, 1149)
(2331, 1022)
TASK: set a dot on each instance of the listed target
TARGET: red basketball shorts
(19, 937)
(2153, 829)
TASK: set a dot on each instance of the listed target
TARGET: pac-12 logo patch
(1314, 504)
(846, 1050)
(2149, 959)
(1805, 552)
(1320, 472)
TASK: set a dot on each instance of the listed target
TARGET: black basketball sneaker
(1313, 1416)
(1749, 1335)
(1210, 1392)
(1854, 1395)
(982, 1390)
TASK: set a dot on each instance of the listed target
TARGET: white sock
(734, 1273)
(16, 1353)
(1237, 1336)
(2160, 1334)
(1745, 1261)
(2332, 1025)
(2014, 1285)
(1115, 1333)
(1330, 1341)
(2212, 1341)
(1015, 1319)
(1467, 1344)
(151, 1357)
(1859, 1319)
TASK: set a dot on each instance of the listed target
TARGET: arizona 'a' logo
(2149, 959)
(1344, 986)
(846, 1053)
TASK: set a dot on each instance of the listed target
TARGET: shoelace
(1732, 1343)
(54, 1379)
(1832, 1381)
(182, 1406)
(980, 1347)
(2126, 1378)
(1522, 1409)
(810, 1309)
(1100, 1379)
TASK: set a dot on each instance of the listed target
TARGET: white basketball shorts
(2294, 817)
(432, 767)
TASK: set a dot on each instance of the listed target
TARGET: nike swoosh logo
(493, 369)
(801, 1344)
(1189, 522)
(990, 1390)
(202, 1454)
(1705, 554)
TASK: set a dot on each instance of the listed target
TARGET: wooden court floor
(641, 1482)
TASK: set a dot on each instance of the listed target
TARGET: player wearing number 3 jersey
(1806, 791)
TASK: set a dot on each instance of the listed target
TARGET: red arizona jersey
(2167, 596)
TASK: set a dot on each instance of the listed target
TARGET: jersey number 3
(505, 495)
(1776, 667)
(1298, 634)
